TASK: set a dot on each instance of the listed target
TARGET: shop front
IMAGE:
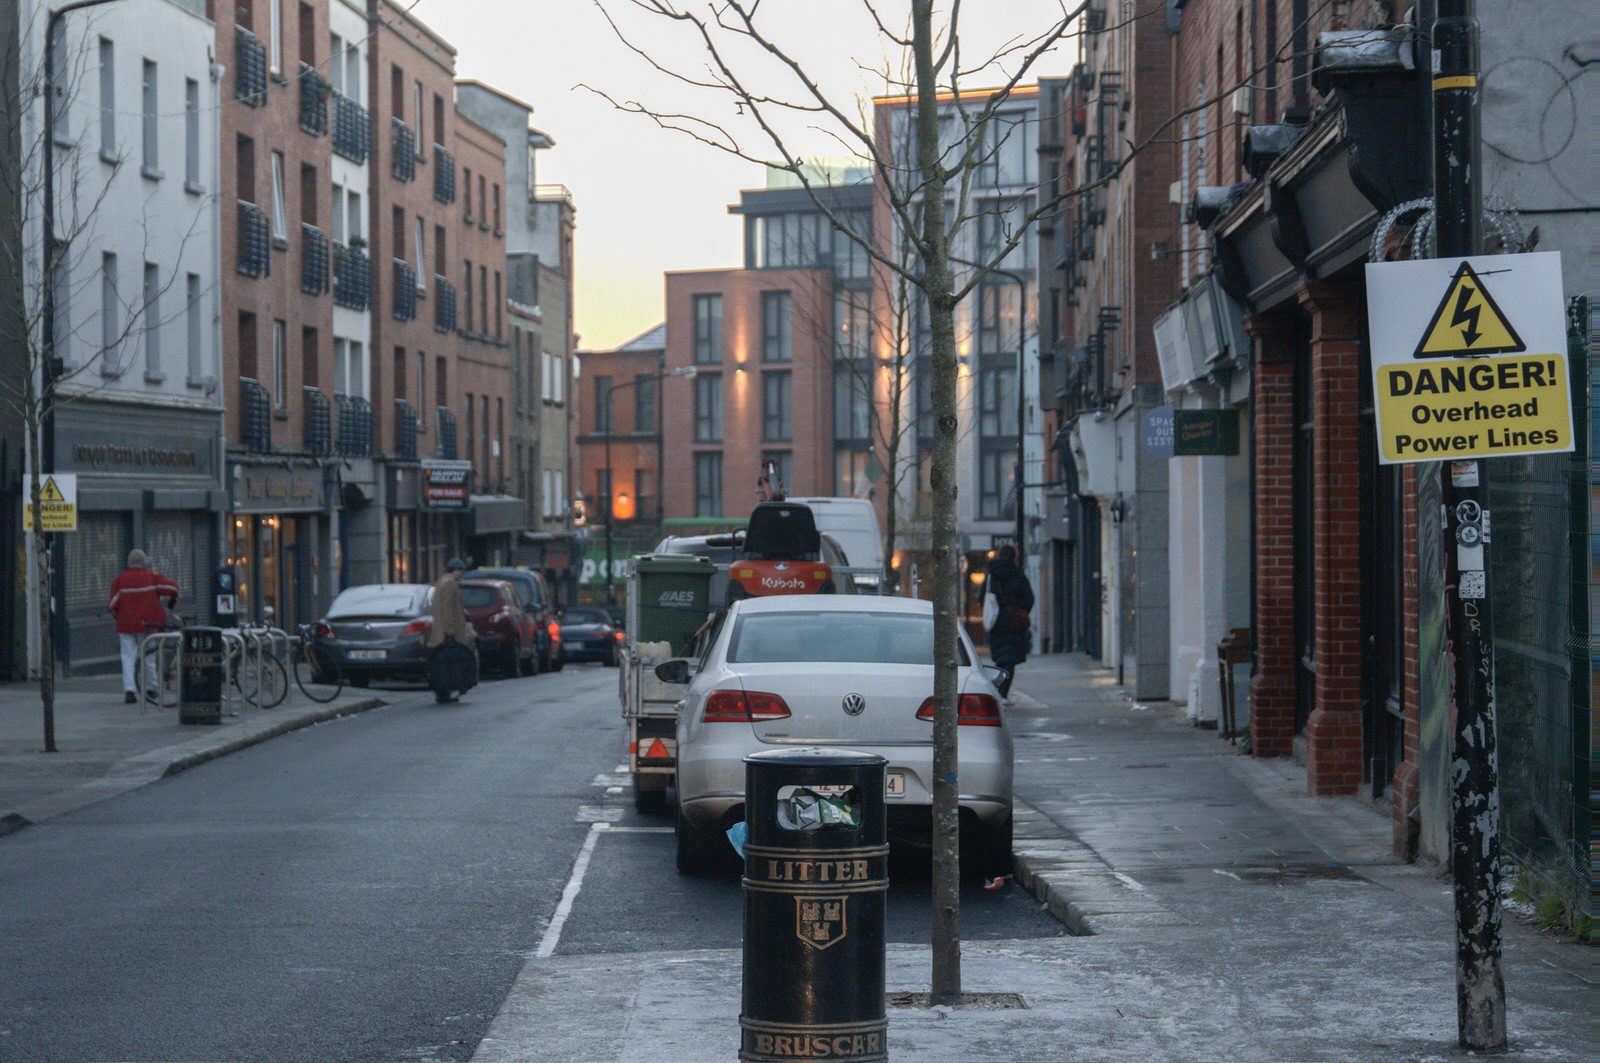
(148, 478)
(496, 522)
(281, 539)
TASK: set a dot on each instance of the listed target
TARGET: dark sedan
(377, 631)
(589, 635)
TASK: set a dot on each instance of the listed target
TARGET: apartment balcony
(405, 291)
(255, 241)
(314, 93)
(314, 260)
(352, 277)
(319, 422)
(249, 68)
(445, 420)
(405, 430)
(355, 425)
(352, 133)
(444, 306)
(444, 175)
(403, 149)
(255, 416)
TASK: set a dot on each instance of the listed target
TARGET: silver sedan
(825, 670)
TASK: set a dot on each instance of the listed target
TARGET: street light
(681, 371)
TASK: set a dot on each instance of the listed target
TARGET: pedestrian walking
(1007, 608)
(452, 661)
(139, 601)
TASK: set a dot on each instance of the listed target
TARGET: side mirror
(995, 673)
(676, 672)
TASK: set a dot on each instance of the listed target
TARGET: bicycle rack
(255, 644)
(233, 699)
(168, 646)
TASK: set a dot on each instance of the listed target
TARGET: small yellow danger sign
(58, 504)
(1468, 322)
(1477, 406)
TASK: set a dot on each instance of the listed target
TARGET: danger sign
(58, 503)
(1469, 357)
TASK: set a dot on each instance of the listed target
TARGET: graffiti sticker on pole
(1469, 357)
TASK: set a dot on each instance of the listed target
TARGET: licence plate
(368, 655)
(896, 784)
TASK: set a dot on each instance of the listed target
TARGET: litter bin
(816, 872)
(670, 598)
(200, 675)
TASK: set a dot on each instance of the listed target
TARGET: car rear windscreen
(833, 637)
(585, 616)
(478, 597)
(376, 601)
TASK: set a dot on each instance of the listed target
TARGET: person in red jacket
(139, 600)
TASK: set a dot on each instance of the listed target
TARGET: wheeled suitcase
(452, 668)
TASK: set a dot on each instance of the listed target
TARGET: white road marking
(1229, 874)
(598, 814)
(1128, 881)
(641, 830)
(613, 789)
(580, 867)
(621, 769)
(609, 780)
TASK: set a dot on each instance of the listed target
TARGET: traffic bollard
(816, 872)
(200, 675)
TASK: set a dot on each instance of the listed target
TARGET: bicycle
(266, 690)
(316, 673)
(270, 686)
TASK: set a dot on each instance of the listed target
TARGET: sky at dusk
(651, 200)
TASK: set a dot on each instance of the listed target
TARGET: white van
(853, 524)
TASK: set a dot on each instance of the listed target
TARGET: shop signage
(1155, 431)
(1200, 433)
(446, 485)
(270, 489)
(1469, 357)
(58, 503)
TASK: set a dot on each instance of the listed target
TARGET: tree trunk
(946, 988)
(47, 655)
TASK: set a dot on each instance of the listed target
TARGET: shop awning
(494, 514)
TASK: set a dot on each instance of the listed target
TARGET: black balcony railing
(444, 304)
(255, 416)
(352, 134)
(319, 422)
(314, 265)
(314, 93)
(405, 430)
(445, 446)
(255, 241)
(355, 425)
(405, 291)
(444, 175)
(352, 277)
(403, 148)
(249, 68)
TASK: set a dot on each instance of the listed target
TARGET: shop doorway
(274, 556)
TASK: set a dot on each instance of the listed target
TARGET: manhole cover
(969, 1001)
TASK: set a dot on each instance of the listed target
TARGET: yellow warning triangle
(49, 492)
(657, 751)
(1468, 322)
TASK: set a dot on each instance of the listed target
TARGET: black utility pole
(1475, 782)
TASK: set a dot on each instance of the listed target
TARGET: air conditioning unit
(1241, 100)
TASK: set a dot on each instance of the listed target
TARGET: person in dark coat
(452, 662)
(1009, 636)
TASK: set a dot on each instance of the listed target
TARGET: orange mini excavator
(782, 555)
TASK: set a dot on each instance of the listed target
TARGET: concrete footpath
(105, 747)
(1220, 914)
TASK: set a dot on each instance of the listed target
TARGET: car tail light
(322, 631)
(742, 706)
(555, 631)
(619, 639)
(973, 710)
(417, 627)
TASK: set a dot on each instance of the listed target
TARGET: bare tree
(59, 209)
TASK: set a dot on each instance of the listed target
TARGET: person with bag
(452, 659)
(1007, 606)
(139, 600)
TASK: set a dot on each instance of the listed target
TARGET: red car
(508, 638)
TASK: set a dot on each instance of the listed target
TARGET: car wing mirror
(995, 673)
(676, 672)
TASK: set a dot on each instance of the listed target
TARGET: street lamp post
(680, 371)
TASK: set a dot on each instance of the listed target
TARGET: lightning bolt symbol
(1468, 314)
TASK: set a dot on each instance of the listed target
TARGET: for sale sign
(1469, 357)
(446, 485)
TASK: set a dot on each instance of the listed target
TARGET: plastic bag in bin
(809, 810)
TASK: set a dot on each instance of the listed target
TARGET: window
(280, 220)
(308, 194)
(602, 404)
(422, 257)
(483, 408)
(497, 226)
(708, 485)
(708, 408)
(995, 475)
(192, 315)
(499, 303)
(191, 135)
(152, 146)
(776, 408)
(336, 61)
(999, 319)
(416, 113)
(338, 214)
(308, 43)
(499, 437)
(777, 339)
(466, 289)
(781, 462)
(280, 365)
(483, 203)
(438, 119)
(309, 357)
(152, 318)
(850, 258)
(466, 201)
(850, 471)
(61, 334)
(247, 346)
(997, 401)
(422, 383)
(644, 403)
(275, 35)
(108, 99)
(244, 160)
(441, 382)
(997, 224)
(792, 240)
(1006, 151)
(852, 312)
(110, 315)
(340, 367)
(357, 221)
(472, 435)
(63, 100)
(547, 497)
(708, 329)
(852, 404)
(483, 299)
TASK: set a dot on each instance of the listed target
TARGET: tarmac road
(366, 889)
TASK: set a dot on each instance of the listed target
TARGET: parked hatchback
(377, 631)
(507, 639)
(533, 591)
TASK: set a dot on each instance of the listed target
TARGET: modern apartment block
(127, 321)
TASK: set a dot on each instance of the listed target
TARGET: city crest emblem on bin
(819, 921)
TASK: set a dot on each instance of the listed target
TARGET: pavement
(1217, 911)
